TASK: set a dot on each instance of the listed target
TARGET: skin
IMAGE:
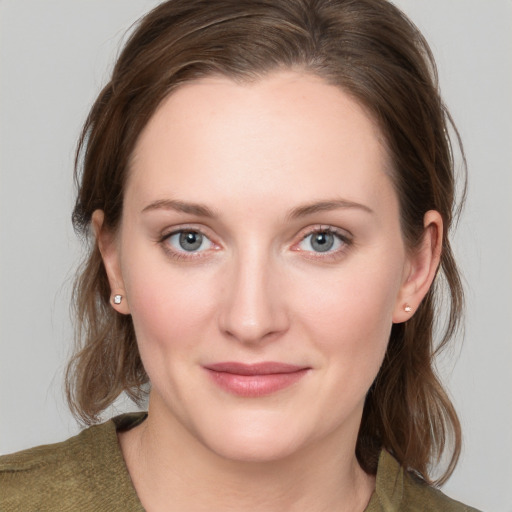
(255, 156)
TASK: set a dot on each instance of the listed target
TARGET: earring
(118, 299)
(407, 308)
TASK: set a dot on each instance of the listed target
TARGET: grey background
(54, 57)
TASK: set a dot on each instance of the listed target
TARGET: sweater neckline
(388, 483)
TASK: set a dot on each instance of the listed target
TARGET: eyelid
(183, 255)
(326, 228)
(343, 235)
(198, 228)
(204, 240)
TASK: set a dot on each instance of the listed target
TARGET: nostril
(251, 332)
(254, 322)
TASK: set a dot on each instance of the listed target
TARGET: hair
(371, 51)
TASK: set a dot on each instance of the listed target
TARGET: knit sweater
(87, 473)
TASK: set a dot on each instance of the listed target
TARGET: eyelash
(342, 237)
(184, 255)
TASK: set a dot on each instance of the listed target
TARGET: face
(261, 259)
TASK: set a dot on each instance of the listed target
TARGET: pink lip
(254, 380)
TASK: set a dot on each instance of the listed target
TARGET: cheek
(168, 306)
(171, 315)
(349, 317)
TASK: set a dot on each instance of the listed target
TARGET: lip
(254, 380)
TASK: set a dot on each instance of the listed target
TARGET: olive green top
(87, 473)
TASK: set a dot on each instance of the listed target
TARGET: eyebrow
(180, 206)
(323, 206)
(301, 211)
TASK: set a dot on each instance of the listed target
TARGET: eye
(323, 241)
(188, 241)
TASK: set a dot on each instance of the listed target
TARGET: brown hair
(373, 52)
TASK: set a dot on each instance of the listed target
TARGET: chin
(255, 448)
(256, 436)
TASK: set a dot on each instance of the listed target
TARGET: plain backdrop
(54, 57)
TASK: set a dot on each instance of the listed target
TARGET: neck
(168, 465)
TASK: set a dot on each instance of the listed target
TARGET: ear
(108, 246)
(421, 268)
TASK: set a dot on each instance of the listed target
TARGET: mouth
(255, 380)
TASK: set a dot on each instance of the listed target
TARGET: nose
(253, 310)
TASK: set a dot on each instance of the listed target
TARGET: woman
(270, 187)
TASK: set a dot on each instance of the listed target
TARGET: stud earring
(407, 308)
(118, 299)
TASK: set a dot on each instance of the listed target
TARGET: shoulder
(399, 491)
(420, 496)
(86, 472)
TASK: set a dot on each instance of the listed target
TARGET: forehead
(290, 134)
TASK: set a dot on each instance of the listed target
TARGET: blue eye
(189, 241)
(322, 241)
